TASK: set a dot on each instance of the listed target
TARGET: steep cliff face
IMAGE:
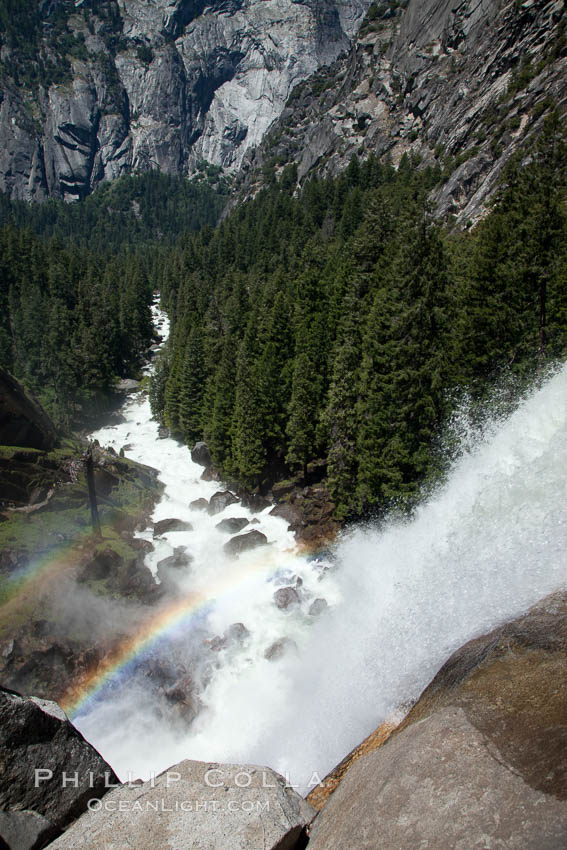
(461, 84)
(135, 85)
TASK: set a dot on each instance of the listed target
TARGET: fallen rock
(221, 500)
(233, 807)
(232, 525)
(211, 473)
(317, 607)
(200, 454)
(279, 648)
(199, 505)
(164, 526)
(35, 734)
(286, 597)
(244, 542)
(481, 759)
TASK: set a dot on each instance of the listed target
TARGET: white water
(489, 544)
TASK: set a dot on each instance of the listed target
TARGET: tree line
(77, 281)
(346, 324)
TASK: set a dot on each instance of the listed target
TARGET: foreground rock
(480, 761)
(198, 805)
(36, 735)
(245, 542)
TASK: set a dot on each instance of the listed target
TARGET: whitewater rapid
(487, 545)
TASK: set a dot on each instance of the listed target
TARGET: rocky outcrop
(39, 747)
(462, 85)
(481, 760)
(200, 804)
(163, 85)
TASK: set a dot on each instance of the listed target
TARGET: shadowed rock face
(23, 422)
(481, 760)
(165, 85)
(35, 734)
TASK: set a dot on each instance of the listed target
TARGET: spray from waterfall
(484, 547)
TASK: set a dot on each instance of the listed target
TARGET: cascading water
(488, 544)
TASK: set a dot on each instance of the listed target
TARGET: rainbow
(81, 696)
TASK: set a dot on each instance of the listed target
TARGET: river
(400, 598)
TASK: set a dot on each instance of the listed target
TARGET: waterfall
(485, 546)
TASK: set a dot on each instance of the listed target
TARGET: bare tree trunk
(89, 470)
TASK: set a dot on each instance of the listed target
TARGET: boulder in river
(480, 760)
(221, 500)
(245, 542)
(164, 526)
(178, 561)
(35, 735)
(199, 804)
(232, 525)
(199, 504)
(317, 607)
(279, 648)
(163, 432)
(211, 473)
(200, 454)
(286, 597)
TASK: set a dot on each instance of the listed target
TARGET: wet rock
(232, 525)
(211, 473)
(279, 648)
(200, 454)
(480, 760)
(199, 505)
(317, 607)
(180, 560)
(164, 526)
(245, 542)
(36, 734)
(236, 633)
(163, 432)
(286, 597)
(221, 500)
(264, 812)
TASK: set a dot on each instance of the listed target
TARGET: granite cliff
(463, 85)
(92, 90)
